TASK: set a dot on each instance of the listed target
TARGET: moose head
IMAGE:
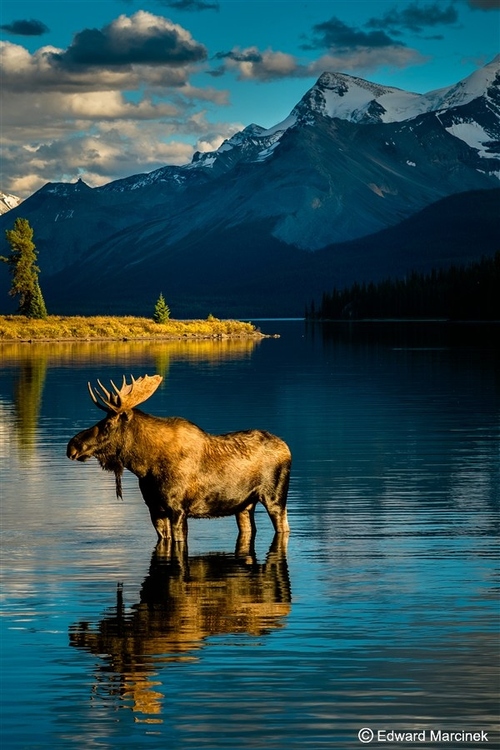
(102, 441)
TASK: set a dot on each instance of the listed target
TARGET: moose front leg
(162, 524)
(158, 508)
(179, 526)
(246, 522)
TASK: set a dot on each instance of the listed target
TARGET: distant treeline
(457, 293)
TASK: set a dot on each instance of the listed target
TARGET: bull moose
(183, 471)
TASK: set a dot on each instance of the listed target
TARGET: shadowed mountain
(245, 275)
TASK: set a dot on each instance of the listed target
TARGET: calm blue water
(382, 613)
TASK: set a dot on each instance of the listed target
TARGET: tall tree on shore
(22, 262)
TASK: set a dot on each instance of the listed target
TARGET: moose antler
(128, 396)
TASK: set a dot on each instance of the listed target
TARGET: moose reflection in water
(183, 471)
(183, 601)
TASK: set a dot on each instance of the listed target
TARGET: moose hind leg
(275, 501)
(279, 518)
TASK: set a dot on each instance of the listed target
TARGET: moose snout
(82, 446)
(74, 451)
(71, 451)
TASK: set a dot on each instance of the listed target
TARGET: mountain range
(359, 182)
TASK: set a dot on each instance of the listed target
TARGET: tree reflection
(183, 601)
(28, 390)
(31, 362)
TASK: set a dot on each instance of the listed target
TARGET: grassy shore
(111, 328)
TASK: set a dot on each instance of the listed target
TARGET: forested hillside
(459, 293)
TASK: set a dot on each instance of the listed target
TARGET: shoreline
(67, 329)
(132, 340)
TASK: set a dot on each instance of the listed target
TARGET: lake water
(383, 612)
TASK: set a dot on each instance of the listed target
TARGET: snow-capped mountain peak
(345, 97)
(8, 201)
(253, 144)
(465, 91)
(354, 99)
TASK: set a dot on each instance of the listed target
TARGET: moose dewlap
(183, 471)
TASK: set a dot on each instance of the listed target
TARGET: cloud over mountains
(91, 97)
(125, 54)
(137, 89)
(141, 39)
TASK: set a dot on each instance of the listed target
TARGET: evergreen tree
(22, 262)
(162, 310)
(38, 309)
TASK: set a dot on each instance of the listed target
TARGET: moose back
(183, 471)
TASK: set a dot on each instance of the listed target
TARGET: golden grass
(127, 328)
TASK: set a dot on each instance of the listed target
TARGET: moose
(183, 471)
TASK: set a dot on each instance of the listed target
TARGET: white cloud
(107, 150)
(43, 70)
(117, 101)
(252, 64)
(365, 59)
(269, 65)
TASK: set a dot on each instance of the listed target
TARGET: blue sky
(101, 89)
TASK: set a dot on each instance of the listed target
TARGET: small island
(32, 323)
(115, 328)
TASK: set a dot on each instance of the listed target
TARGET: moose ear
(126, 415)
